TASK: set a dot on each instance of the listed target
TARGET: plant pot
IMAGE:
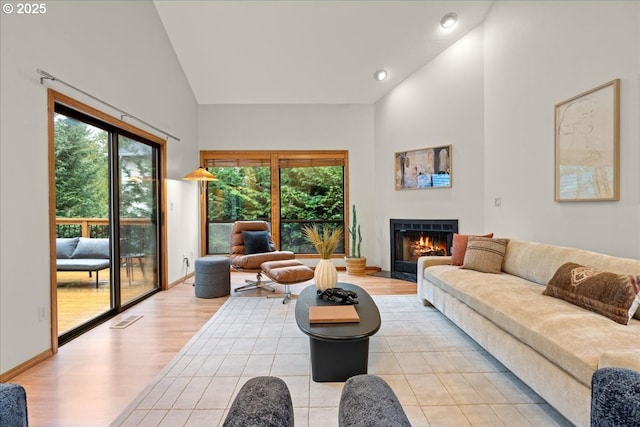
(325, 275)
(356, 266)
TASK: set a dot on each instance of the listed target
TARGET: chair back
(237, 242)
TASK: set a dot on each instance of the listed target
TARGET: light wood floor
(91, 380)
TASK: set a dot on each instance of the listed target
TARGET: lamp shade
(200, 174)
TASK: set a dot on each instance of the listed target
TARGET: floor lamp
(202, 176)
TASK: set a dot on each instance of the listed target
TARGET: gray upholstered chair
(368, 401)
(251, 245)
(13, 406)
(615, 398)
(262, 401)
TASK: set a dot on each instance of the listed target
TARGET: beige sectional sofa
(552, 345)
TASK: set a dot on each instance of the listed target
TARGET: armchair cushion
(256, 242)
(262, 401)
(13, 405)
(615, 398)
(254, 261)
(368, 401)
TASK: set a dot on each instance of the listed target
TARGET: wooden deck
(79, 300)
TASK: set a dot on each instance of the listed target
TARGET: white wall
(117, 51)
(302, 127)
(536, 55)
(442, 103)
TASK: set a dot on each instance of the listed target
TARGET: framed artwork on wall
(423, 168)
(587, 145)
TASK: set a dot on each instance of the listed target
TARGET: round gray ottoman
(213, 278)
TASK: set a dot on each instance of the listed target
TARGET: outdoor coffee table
(338, 350)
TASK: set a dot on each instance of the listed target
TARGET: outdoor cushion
(83, 264)
(92, 248)
(66, 246)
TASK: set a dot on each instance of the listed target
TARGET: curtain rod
(46, 76)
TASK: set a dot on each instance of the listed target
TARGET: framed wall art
(423, 168)
(587, 145)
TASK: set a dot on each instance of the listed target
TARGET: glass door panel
(138, 218)
(83, 247)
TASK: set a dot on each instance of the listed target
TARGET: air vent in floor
(126, 322)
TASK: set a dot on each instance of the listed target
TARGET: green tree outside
(307, 195)
(81, 169)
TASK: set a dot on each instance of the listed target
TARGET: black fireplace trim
(408, 271)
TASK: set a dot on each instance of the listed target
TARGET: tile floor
(441, 376)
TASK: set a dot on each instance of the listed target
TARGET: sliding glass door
(107, 222)
(82, 222)
(138, 218)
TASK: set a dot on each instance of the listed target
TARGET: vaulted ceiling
(308, 52)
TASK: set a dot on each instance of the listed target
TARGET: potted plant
(355, 263)
(325, 274)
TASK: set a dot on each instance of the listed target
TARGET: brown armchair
(251, 245)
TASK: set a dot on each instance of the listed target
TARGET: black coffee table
(338, 350)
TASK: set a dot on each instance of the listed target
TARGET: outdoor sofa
(83, 254)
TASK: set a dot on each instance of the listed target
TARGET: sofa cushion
(615, 296)
(548, 258)
(484, 254)
(82, 264)
(460, 247)
(553, 327)
(92, 248)
(256, 242)
(65, 247)
(629, 359)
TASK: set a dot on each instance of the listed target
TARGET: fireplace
(413, 238)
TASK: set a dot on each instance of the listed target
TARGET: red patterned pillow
(616, 296)
(460, 247)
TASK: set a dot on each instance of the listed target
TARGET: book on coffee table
(333, 314)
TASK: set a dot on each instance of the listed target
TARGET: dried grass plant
(326, 243)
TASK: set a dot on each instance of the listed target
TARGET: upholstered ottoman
(368, 401)
(287, 272)
(13, 405)
(213, 277)
(262, 401)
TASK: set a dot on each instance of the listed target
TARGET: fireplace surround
(413, 238)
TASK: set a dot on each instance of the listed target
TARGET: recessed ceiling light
(380, 75)
(449, 20)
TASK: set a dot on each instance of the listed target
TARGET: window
(288, 189)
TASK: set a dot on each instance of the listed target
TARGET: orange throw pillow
(460, 247)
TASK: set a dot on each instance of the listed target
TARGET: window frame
(275, 157)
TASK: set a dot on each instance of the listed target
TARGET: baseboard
(181, 280)
(6, 376)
